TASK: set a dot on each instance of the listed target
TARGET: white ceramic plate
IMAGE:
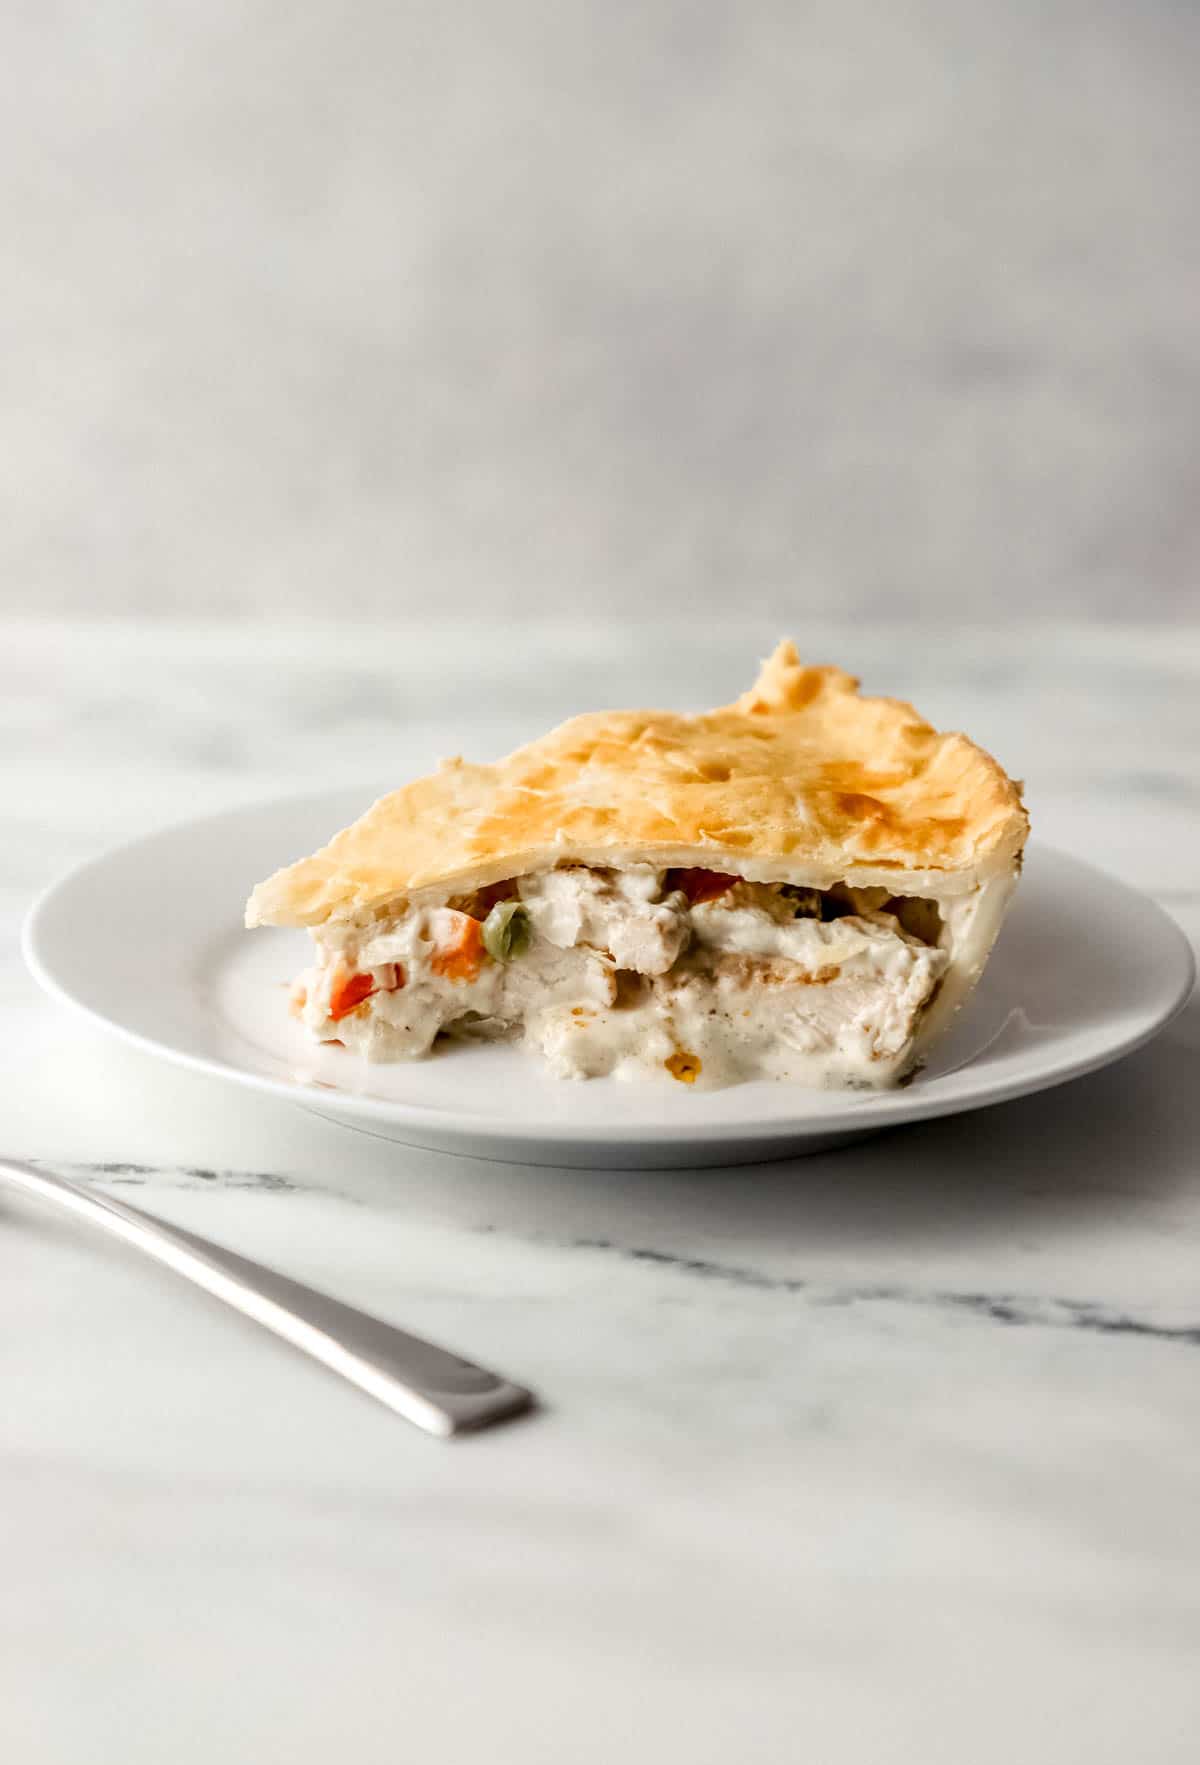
(148, 939)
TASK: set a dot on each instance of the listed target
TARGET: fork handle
(430, 1387)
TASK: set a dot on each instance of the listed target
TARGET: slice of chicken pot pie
(804, 885)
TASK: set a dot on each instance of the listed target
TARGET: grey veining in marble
(883, 1457)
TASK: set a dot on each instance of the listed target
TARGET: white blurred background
(790, 311)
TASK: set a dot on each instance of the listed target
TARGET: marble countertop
(886, 1455)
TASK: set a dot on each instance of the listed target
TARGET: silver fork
(427, 1385)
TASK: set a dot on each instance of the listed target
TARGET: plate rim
(889, 1108)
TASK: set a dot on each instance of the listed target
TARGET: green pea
(506, 931)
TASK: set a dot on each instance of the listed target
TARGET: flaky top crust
(800, 779)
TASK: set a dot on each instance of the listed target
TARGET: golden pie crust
(801, 780)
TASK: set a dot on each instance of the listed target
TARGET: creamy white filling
(614, 910)
(620, 976)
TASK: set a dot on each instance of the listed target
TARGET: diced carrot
(348, 992)
(700, 885)
(460, 959)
